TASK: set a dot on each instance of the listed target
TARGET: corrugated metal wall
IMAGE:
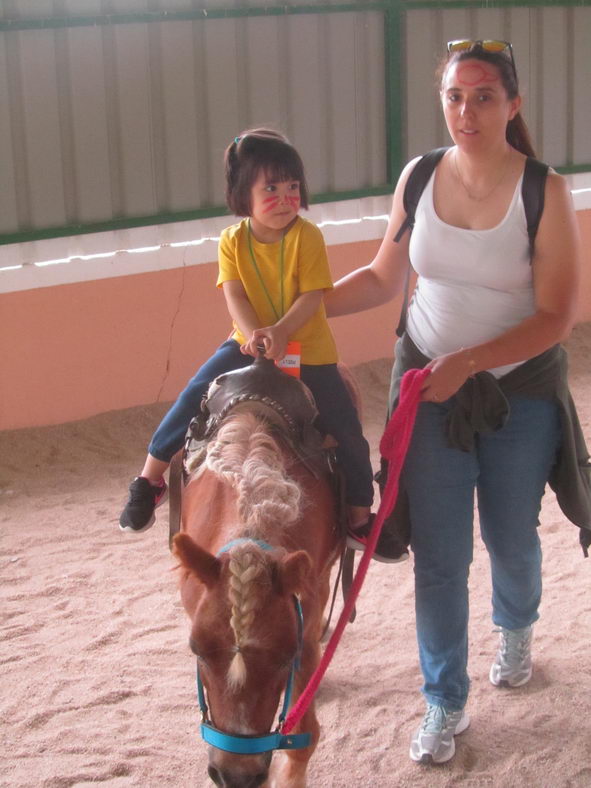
(131, 119)
(110, 118)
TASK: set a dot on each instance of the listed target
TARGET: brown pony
(258, 526)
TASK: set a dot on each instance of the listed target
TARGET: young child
(273, 270)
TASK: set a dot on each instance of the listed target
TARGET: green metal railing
(414, 4)
(203, 14)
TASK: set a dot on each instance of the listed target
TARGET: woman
(486, 318)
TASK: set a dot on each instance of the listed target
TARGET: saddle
(282, 400)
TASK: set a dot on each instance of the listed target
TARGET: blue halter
(252, 745)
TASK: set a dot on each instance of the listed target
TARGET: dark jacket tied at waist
(481, 405)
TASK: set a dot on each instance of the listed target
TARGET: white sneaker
(434, 740)
(512, 666)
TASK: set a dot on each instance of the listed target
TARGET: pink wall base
(76, 350)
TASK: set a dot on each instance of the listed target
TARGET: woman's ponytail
(518, 136)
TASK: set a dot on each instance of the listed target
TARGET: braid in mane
(227, 452)
(249, 458)
(246, 566)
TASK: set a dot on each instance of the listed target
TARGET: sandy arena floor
(97, 678)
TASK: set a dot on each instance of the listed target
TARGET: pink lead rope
(393, 446)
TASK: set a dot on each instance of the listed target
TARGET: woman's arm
(378, 282)
(556, 274)
(276, 337)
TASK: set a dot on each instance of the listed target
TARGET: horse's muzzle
(249, 771)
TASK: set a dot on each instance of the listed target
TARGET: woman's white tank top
(473, 285)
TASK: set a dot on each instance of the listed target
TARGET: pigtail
(231, 168)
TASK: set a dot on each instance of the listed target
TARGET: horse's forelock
(237, 671)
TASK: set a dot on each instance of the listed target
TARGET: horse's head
(245, 636)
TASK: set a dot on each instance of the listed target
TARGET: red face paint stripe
(474, 73)
(273, 204)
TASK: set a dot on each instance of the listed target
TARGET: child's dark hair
(517, 133)
(257, 150)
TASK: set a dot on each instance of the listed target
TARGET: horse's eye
(193, 647)
(286, 662)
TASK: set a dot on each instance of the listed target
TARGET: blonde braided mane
(248, 568)
(247, 457)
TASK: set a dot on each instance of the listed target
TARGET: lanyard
(261, 280)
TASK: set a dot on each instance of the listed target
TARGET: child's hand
(254, 346)
(274, 338)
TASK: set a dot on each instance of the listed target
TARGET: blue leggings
(337, 417)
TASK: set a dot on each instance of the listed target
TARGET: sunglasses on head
(489, 45)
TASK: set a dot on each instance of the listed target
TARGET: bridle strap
(252, 745)
(244, 540)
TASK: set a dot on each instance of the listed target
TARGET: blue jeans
(170, 435)
(509, 470)
(337, 416)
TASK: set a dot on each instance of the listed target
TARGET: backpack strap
(415, 185)
(532, 194)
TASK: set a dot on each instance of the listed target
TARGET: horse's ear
(198, 561)
(295, 572)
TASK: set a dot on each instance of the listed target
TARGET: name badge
(290, 363)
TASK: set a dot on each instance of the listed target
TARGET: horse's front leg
(288, 767)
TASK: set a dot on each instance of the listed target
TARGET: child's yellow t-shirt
(305, 268)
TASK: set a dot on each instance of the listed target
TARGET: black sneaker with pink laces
(144, 498)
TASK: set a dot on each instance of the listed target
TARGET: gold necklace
(488, 194)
